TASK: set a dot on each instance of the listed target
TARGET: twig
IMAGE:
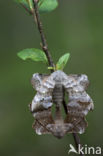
(43, 39)
(30, 12)
(45, 49)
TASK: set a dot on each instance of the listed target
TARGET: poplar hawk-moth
(51, 90)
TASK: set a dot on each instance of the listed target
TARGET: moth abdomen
(58, 94)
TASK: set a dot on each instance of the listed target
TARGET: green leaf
(30, 2)
(27, 3)
(62, 61)
(23, 2)
(33, 54)
(47, 5)
(44, 5)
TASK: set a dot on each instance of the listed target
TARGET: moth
(51, 90)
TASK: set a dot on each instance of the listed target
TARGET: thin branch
(43, 39)
(45, 49)
(29, 11)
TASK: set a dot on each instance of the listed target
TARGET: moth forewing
(79, 103)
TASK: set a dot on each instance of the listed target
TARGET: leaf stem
(50, 60)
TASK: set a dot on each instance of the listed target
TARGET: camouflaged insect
(51, 90)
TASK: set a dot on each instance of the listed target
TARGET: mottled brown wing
(42, 102)
(43, 98)
(37, 80)
(42, 119)
(76, 118)
(79, 103)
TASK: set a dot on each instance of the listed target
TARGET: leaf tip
(62, 61)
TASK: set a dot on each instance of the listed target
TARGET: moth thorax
(58, 94)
